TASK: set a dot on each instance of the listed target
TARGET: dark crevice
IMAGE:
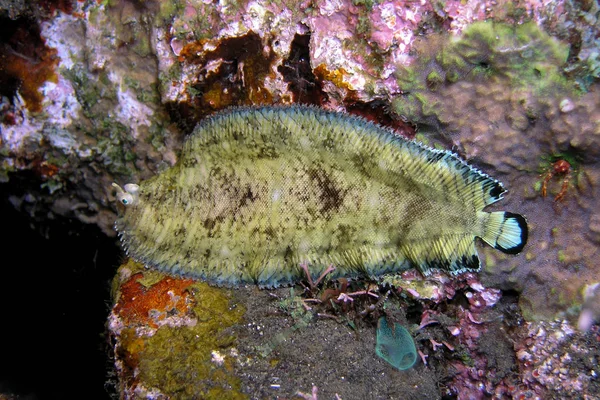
(55, 291)
(297, 71)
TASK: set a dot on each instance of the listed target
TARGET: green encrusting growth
(258, 191)
(522, 56)
(524, 53)
(177, 360)
(395, 345)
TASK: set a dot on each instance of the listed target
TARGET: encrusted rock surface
(95, 92)
(506, 106)
(176, 338)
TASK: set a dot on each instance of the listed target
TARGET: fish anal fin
(452, 254)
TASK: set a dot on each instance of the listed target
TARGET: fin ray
(453, 254)
(460, 179)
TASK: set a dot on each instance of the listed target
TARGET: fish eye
(126, 199)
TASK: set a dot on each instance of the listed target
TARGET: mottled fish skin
(258, 191)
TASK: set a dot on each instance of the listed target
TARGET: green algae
(94, 92)
(168, 10)
(112, 142)
(523, 53)
(395, 345)
(522, 57)
(178, 360)
(157, 136)
(363, 27)
(368, 4)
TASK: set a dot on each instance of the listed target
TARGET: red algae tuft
(138, 304)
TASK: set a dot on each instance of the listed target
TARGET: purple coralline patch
(480, 341)
(557, 361)
(363, 41)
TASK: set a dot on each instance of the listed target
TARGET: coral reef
(485, 348)
(552, 360)
(557, 362)
(81, 114)
(174, 335)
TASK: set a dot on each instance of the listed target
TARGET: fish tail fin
(504, 231)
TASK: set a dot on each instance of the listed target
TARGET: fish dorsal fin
(450, 173)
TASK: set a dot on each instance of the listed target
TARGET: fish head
(128, 195)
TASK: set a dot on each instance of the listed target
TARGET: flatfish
(258, 192)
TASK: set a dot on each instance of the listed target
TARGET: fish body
(257, 192)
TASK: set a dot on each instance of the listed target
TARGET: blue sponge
(395, 345)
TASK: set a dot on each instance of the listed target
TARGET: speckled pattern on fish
(258, 191)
